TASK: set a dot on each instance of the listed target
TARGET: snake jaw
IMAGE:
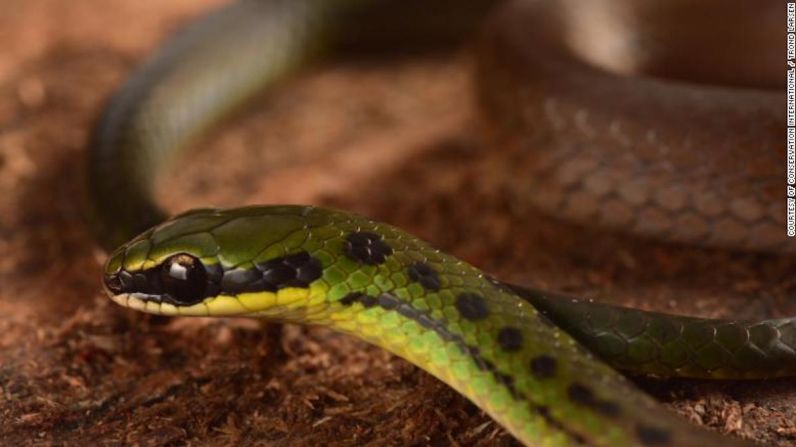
(144, 304)
(285, 306)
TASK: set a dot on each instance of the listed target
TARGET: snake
(620, 146)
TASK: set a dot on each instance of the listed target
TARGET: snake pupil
(184, 278)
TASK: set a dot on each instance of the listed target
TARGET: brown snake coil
(663, 118)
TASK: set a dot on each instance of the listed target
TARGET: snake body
(635, 147)
(527, 357)
(311, 265)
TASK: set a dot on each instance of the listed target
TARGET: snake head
(253, 261)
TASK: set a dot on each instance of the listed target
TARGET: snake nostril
(113, 283)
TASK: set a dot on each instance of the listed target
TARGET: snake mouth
(154, 305)
(288, 305)
(139, 302)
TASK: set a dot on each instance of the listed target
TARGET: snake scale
(536, 362)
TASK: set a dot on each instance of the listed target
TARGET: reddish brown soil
(397, 142)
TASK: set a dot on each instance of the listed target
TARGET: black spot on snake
(296, 270)
(510, 338)
(351, 298)
(243, 280)
(366, 247)
(507, 381)
(368, 301)
(471, 306)
(278, 273)
(653, 436)
(544, 366)
(582, 395)
(608, 408)
(425, 275)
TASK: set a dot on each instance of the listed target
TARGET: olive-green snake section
(531, 359)
(642, 117)
(309, 265)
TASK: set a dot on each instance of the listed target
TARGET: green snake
(536, 362)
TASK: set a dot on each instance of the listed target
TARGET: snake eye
(184, 278)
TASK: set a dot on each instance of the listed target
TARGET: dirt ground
(398, 142)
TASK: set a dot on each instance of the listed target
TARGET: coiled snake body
(522, 355)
